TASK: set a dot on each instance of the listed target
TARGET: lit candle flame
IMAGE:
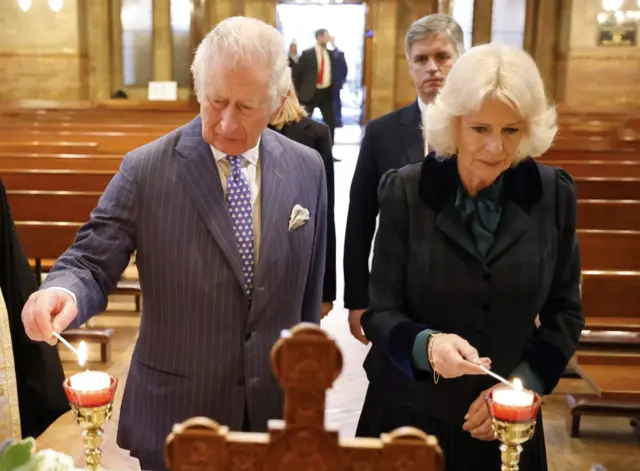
(517, 384)
(82, 353)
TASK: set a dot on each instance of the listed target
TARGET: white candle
(90, 381)
(513, 397)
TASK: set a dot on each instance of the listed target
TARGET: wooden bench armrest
(592, 403)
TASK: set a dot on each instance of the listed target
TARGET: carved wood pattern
(306, 362)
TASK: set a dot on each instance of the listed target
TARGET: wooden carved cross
(306, 362)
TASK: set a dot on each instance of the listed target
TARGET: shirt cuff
(530, 380)
(75, 300)
(419, 353)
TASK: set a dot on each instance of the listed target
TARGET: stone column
(546, 34)
(162, 42)
(482, 13)
(97, 18)
(380, 96)
(116, 45)
(260, 9)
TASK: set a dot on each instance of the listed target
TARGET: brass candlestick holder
(92, 410)
(513, 425)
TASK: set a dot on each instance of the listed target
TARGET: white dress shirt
(326, 76)
(250, 167)
(423, 118)
(251, 170)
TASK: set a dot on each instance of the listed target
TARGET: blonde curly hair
(291, 112)
(503, 72)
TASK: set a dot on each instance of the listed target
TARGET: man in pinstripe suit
(228, 220)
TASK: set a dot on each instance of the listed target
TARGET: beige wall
(40, 53)
(68, 55)
(598, 75)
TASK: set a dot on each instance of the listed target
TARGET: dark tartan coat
(427, 273)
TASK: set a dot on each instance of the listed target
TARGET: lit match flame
(82, 353)
(517, 384)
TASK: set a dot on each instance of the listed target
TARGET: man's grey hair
(240, 39)
(433, 25)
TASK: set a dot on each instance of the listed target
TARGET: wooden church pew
(56, 179)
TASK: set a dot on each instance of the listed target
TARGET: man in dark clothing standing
(313, 79)
(432, 45)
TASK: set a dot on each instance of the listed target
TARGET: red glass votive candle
(513, 405)
(90, 389)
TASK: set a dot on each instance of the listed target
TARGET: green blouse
(481, 213)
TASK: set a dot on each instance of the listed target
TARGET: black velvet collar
(439, 182)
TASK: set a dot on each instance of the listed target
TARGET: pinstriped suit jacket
(203, 348)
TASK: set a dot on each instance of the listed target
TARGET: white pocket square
(299, 217)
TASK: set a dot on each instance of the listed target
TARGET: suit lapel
(513, 223)
(450, 222)
(198, 172)
(522, 190)
(411, 133)
(274, 199)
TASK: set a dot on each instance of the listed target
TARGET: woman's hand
(452, 356)
(478, 420)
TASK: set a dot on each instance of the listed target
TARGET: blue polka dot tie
(239, 204)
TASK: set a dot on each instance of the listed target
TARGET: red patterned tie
(321, 70)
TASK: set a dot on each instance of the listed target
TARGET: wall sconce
(617, 25)
(25, 5)
(612, 5)
(616, 14)
(55, 5)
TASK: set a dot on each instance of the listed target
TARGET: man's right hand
(47, 311)
(355, 327)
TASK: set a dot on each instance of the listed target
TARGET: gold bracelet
(436, 375)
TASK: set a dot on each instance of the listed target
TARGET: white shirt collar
(252, 155)
(423, 107)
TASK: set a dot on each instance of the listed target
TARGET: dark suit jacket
(390, 142)
(203, 348)
(293, 65)
(38, 370)
(427, 274)
(306, 74)
(317, 136)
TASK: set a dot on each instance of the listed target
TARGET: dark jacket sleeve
(361, 224)
(324, 148)
(385, 325)
(39, 373)
(561, 319)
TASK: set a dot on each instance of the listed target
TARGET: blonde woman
(473, 244)
(294, 123)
